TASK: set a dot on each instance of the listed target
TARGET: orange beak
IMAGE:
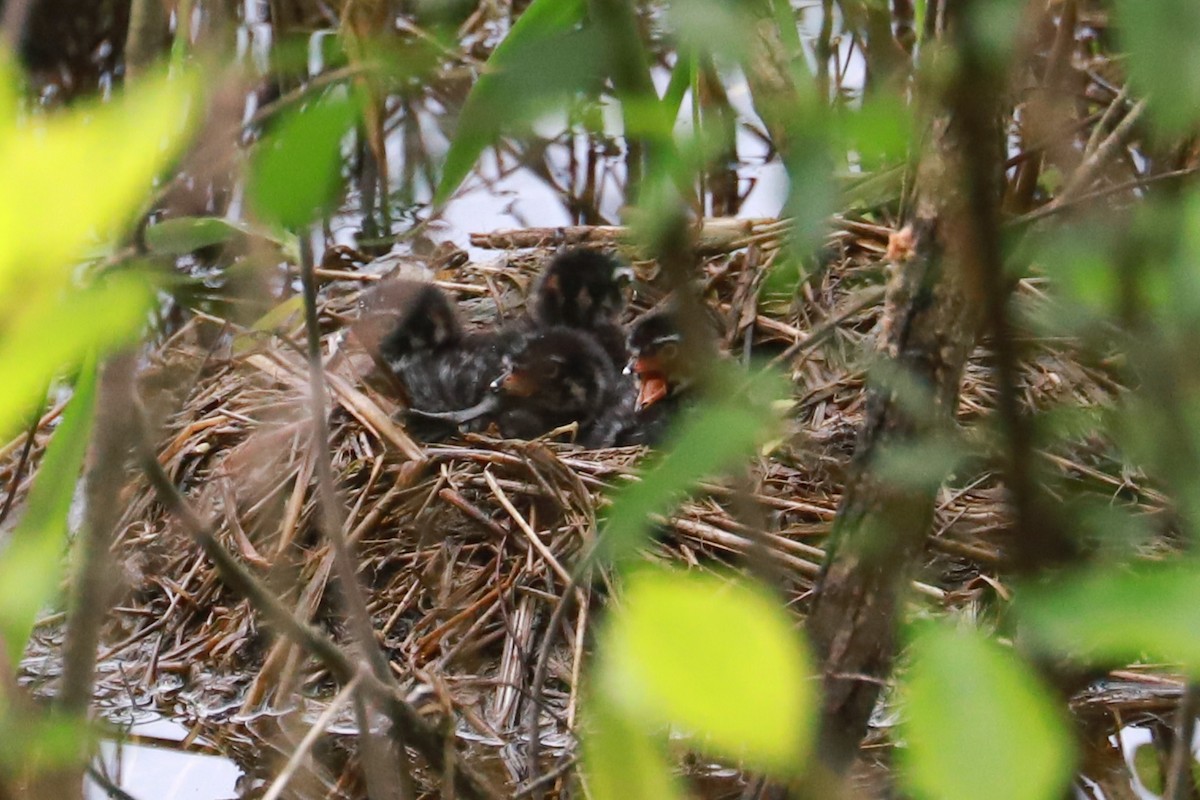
(652, 389)
(652, 386)
(518, 384)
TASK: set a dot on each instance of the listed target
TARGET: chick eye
(669, 351)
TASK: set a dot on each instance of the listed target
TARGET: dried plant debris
(465, 546)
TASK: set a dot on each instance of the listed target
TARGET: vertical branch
(871, 22)
(92, 582)
(945, 262)
(903, 14)
(768, 72)
(12, 24)
(974, 100)
(144, 41)
(823, 49)
(1044, 119)
(629, 67)
(332, 523)
(720, 122)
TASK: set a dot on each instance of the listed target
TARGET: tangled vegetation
(927, 531)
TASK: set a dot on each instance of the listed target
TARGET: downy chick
(586, 290)
(663, 377)
(554, 377)
(414, 329)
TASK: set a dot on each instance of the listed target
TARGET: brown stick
(384, 778)
(930, 327)
(92, 587)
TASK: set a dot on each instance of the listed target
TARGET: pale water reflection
(155, 765)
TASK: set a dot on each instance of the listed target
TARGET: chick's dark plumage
(659, 365)
(554, 377)
(585, 289)
(417, 334)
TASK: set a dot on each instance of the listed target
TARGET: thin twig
(93, 581)
(380, 773)
(1179, 782)
(19, 470)
(310, 738)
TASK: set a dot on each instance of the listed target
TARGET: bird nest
(465, 547)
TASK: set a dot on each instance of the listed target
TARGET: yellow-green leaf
(78, 176)
(716, 658)
(621, 762)
(31, 566)
(55, 334)
(187, 234)
(978, 723)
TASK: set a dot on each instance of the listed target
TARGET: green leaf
(51, 337)
(1119, 615)
(712, 26)
(1164, 61)
(683, 77)
(880, 132)
(40, 742)
(812, 194)
(1146, 767)
(716, 658)
(82, 175)
(621, 762)
(978, 723)
(175, 237)
(31, 566)
(536, 59)
(295, 172)
(919, 465)
(713, 437)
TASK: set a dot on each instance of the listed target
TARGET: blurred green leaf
(1146, 767)
(279, 318)
(780, 283)
(1079, 259)
(537, 59)
(96, 319)
(1159, 426)
(34, 743)
(175, 237)
(719, 27)
(923, 464)
(31, 566)
(1118, 615)
(995, 28)
(907, 391)
(295, 174)
(622, 762)
(683, 77)
(82, 175)
(812, 193)
(880, 132)
(715, 436)
(978, 723)
(1164, 61)
(676, 653)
